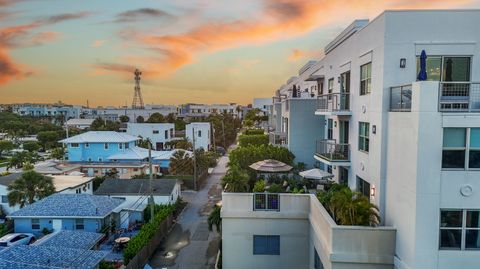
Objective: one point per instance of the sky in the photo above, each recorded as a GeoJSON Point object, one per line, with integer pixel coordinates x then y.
{"type": "Point", "coordinates": [203, 51]}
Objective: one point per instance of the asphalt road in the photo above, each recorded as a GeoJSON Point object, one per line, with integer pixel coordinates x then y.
{"type": "Point", "coordinates": [190, 244]}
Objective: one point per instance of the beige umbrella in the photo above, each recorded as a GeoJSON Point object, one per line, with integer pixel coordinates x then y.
{"type": "Point", "coordinates": [271, 166]}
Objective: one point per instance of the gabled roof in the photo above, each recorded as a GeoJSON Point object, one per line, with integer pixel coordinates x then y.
{"type": "Point", "coordinates": [69, 205]}
{"type": "Point", "coordinates": [39, 257]}
{"type": "Point", "coordinates": [135, 187]}
{"type": "Point", "coordinates": [101, 137]}
{"type": "Point", "coordinates": [70, 239]}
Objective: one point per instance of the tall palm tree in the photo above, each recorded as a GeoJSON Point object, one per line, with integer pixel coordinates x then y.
{"type": "Point", "coordinates": [30, 187]}
{"type": "Point", "coordinates": [181, 163]}
{"type": "Point", "coordinates": [353, 208]}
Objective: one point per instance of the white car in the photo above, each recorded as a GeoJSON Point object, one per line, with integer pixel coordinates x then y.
{"type": "Point", "coordinates": [16, 239]}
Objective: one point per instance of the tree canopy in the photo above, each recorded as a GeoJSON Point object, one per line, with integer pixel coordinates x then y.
{"type": "Point", "coordinates": [6, 146]}
{"type": "Point", "coordinates": [30, 187]}
{"type": "Point", "coordinates": [156, 118]}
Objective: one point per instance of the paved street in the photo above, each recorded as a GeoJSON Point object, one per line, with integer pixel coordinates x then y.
{"type": "Point", "coordinates": [190, 244]}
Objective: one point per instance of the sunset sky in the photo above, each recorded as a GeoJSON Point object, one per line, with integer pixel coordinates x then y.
{"type": "Point", "coordinates": [189, 50]}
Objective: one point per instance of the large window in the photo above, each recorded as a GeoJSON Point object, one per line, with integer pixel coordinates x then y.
{"type": "Point", "coordinates": [330, 86]}
{"type": "Point", "coordinates": [446, 68]}
{"type": "Point", "coordinates": [366, 79]}
{"type": "Point", "coordinates": [4, 199]}
{"type": "Point", "coordinates": [266, 245]}
{"type": "Point", "coordinates": [364, 136]}
{"type": "Point", "coordinates": [363, 186]}
{"type": "Point", "coordinates": [74, 145]}
{"type": "Point", "coordinates": [461, 148]}
{"type": "Point", "coordinates": [460, 229]}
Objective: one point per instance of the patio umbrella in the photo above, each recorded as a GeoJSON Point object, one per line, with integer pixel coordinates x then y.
{"type": "Point", "coordinates": [315, 174]}
{"type": "Point", "coordinates": [422, 75]}
{"type": "Point", "coordinates": [271, 166]}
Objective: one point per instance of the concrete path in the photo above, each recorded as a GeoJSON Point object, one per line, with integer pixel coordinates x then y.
{"type": "Point", "coordinates": [190, 244]}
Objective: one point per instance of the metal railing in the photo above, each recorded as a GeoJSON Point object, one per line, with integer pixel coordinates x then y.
{"type": "Point", "coordinates": [332, 102]}
{"type": "Point", "coordinates": [401, 98]}
{"type": "Point", "coordinates": [459, 97]}
{"type": "Point", "coordinates": [331, 151]}
{"type": "Point", "coordinates": [266, 202]}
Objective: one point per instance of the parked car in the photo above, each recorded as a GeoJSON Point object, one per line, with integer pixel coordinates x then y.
{"type": "Point", "coordinates": [16, 239]}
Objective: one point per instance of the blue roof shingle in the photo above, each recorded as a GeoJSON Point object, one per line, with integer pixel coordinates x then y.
{"type": "Point", "coordinates": [70, 239]}
{"type": "Point", "coordinates": [70, 205]}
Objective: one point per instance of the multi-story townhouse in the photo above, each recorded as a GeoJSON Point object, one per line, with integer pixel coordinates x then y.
{"type": "Point", "coordinates": [191, 110]}
{"type": "Point", "coordinates": [200, 131]}
{"type": "Point", "coordinates": [297, 100]}
{"type": "Point", "coordinates": [410, 146]}
{"type": "Point", "coordinates": [48, 110]}
{"type": "Point", "coordinates": [158, 133]}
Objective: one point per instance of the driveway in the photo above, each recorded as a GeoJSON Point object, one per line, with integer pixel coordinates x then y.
{"type": "Point", "coordinates": [190, 244]}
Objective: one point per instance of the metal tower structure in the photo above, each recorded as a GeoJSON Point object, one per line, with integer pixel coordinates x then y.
{"type": "Point", "coordinates": [137, 102]}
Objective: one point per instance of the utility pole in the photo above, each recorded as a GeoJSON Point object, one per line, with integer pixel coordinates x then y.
{"type": "Point", "coordinates": [213, 135]}
{"type": "Point", "coordinates": [194, 161]}
{"type": "Point", "coordinates": [152, 204]}
{"type": "Point", "coordinates": [223, 132]}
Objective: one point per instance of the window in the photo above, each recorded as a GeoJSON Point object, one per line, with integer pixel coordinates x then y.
{"type": "Point", "coordinates": [127, 145]}
{"type": "Point", "coordinates": [166, 134]}
{"type": "Point", "coordinates": [364, 136]}
{"type": "Point", "coordinates": [199, 133]}
{"type": "Point", "coordinates": [363, 186]}
{"type": "Point", "coordinates": [120, 145]}
{"type": "Point", "coordinates": [155, 131]}
{"type": "Point", "coordinates": [454, 148]}
{"type": "Point", "coordinates": [460, 229]}
{"type": "Point", "coordinates": [365, 79]}
{"type": "Point", "coordinates": [79, 224]}
{"type": "Point", "coordinates": [74, 145]}
{"type": "Point", "coordinates": [330, 87]}
{"type": "Point", "coordinates": [105, 145]}
{"type": "Point", "coordinates": [100, 159]}
{"type": "Point", "coordinates": [461, 148]}
{"type": "Point", "coordinates": [87, 145]}
{"type": "Point", "coordinates": [446, 68]}
{"type": "Point", "coordinates": [266, 202]}
{"type": "Point", "coordinates": [4, 199]}
{"type": "Point", "coordinates": [330, 129]}
{"type": "Point", "coordinates": [89, 159]}
{"type": "Point", "coordinates": [35, 224]}
{"type": "Point", "coordinates": [317, 263]}
{"type": "Point", "coordinates": [266, 245]}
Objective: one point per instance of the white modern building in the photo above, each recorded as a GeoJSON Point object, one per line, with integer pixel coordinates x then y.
{"type": "Point", "coordinates": [201, 132]}
{"type": "Point", "coordinates": [262, 104]}
{"type": "Point", "coordinates": [158, 133]}
{"type": "Point", "coordinates": [191, 110]}
{"type": "Point", "coordinates": [411, 146]}
{"type": "Point", "coordinates": [114, 113]}
{"type": "Point", "coordinates": [79, 123]}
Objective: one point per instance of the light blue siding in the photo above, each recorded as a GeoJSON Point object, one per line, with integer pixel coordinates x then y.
{"type": "Point", "coordinates": [95, 151]}
{"type": "Point", "coordinates": [25, 225]}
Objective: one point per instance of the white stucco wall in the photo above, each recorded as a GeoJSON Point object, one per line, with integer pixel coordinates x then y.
{"type": "Point", "coordinates": [202, 134]}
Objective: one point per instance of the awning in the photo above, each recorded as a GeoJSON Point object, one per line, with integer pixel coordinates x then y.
{"type": "Point", "coordinates": [271, 166]}
{"type": "Point", "coordinates": [316, 174]}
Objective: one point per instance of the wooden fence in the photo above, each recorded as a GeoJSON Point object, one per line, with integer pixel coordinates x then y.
{"type": "Point", "coordinates": [142, 257]}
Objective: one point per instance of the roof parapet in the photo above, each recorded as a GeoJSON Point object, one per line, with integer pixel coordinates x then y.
{"type": "Point", "coordinates": [345, 34]}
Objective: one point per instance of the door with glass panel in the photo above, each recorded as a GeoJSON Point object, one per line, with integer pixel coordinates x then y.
{"type": "Point", "coordinates": [345, 91]}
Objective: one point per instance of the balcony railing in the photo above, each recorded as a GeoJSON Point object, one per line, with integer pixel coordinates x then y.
{"type": "Point", "coordinates": [331, 151]}
{"type": "Point", "coordinates": [401, 98]}
{"type": "Point", "coordinates": [459, 97]}
{"type": "Point", "coordinates": [333, 102]}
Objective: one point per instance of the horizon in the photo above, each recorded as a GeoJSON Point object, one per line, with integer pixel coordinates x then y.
{"type": "Point", "coordinates": [189, 51]}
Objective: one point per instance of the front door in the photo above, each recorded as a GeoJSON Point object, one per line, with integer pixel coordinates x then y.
{"type": "Point", "coordinates": [343, 139]}
{"type": "Point", "coordinates": [345, 91]}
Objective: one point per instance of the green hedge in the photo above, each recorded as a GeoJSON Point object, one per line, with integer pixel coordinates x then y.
{"type": "Point", "coordinates": [147, 232]}
{"type": "Point", "coordinates": [254, 132]}
{"type": "Point", "coordinates": [253, 140]}
{"type": "Point", "coordinates": [245, 156]}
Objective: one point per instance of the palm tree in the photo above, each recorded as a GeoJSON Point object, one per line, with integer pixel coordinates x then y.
{"type": "Point", "coordinates": [236, 180]}
{"type": "Point", "coordinates": [30, 187]}
{"type": "Point", "coordinates": [214, 219]}
{"type": "Point", "coordinates": [181, 163]}
{"type": "Point", "coordinates": [353, 208]}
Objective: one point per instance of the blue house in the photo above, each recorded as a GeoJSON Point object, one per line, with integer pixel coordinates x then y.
{"type": "Point", "coordinates": [58, 212]}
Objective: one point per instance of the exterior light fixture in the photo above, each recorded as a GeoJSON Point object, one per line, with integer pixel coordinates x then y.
{"type": "Point", "coordinates": [403, 63]}
{"type": "Point", "coordinates": [372, 191]}
{"type": "Point", "coordinates": [374, 129]}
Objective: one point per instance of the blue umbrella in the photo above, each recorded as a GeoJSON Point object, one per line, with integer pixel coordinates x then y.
{"type": "Point", "coordinates": [422, 75]}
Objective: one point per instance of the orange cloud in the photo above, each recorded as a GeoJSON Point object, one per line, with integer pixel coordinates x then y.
{"type": "Point", "coordinates": [20, 36]}
{"type": "Point", "coordinates": [279, 19]}
{"type": "Point", "coordinates": [98, 43]}
{"type": "Point", "coordinates": [298, 54]}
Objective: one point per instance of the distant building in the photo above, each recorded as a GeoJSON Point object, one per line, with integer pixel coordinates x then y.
{"type": "Point", "coordinates": [191, 110]}
{"type": "Point", "coordinates": [158, 133]}
{"type": "Point", "coordinates": [202, 134]}
{"type": "Point", "coordinates": [49, 110]}
{"type": "Point", "coordinates": [113, 114]}
{"type": "Point", "coordinates": [262, 104]}
{"type": "Point", "coordinates": [79, 123]}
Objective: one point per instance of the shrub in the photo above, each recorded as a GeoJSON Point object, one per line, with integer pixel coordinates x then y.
{"type": "Point", "coordinates": [245, 156]}
{"type": "Point", "coordinates": [253, 140]}
{"type": "Point", "coordinates": [254, 132]}
{"type": "Point", "coordinates": [275, 188]}
{"type": "Point", "coordinates": [259, 186]}
{"type": "Point", "coordinates": [147, 232]}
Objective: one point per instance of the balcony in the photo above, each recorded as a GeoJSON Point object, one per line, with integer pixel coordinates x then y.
{"type": "Point", "coordinates": [332, 153]}
{"type": "Point", "coordinates": [401, 98]}
{"type": "Point", "coordinates": [334, 104]}
{"type": "Point", "coordinates": [459, 97]}
{"type": "Point", "coordinates": [278, 139]}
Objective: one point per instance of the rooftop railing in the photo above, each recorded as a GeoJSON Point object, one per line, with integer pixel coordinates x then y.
{"type": "Point", "coordinates": [401, 98]}
{"type": "Point", "coordinates": [459, 97]}
{"type": "Point", "coordinates": [333, 102]}
{"type": "Point", "coordinates": [331, 151]}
